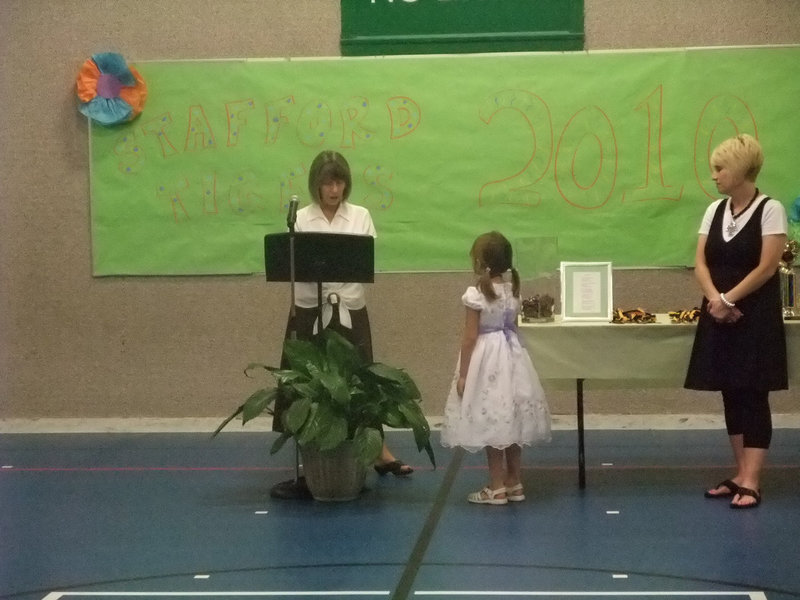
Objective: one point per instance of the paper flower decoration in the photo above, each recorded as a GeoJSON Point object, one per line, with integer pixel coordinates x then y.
{"type": "Point", "coordinates": [110, 91]}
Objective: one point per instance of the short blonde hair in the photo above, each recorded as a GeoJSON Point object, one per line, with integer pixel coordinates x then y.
{"type": "Point", "coordinates": [742, 154]}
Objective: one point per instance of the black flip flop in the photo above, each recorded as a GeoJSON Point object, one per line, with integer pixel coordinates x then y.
{"type": "Point", "coordinates": [743, 491]}
{"type": "Point", "coordinates": [394, 467]}
{"type": "Point", "coordinates": [734, 489]}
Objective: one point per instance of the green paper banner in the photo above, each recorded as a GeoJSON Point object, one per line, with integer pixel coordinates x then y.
{"type": "Point", "coordinates": [604, 153]}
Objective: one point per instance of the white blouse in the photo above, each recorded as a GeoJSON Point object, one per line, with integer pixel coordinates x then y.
{"type": "Point", "coordinates": [349, 218]}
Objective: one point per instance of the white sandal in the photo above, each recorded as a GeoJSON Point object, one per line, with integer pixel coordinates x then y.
{"type": "Point", "coordinates": [515, 493]}
{"type": "Point", "coordinates": [488, 496]}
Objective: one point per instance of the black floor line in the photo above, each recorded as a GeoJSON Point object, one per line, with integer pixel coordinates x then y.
{"type": "Point", "coordinates": [421, 546]}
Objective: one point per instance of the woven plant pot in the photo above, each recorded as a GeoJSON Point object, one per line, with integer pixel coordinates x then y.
{"type": "Point", "coordinates": [333, 475]}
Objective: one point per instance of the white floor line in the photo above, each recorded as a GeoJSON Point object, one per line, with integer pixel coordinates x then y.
{"type": "Point", "coordinates": [753, 595]}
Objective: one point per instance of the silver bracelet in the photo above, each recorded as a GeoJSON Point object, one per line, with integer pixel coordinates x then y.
{"type": "Point", "coordinates": [726, 302]}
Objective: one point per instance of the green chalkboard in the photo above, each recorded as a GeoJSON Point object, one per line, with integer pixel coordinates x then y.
{"type": "Point", "coordinates": [604, 154]}
{"type": "Point", "coordinates": [377, 27]}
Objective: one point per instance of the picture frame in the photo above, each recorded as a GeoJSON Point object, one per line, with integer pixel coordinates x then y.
{"type": "Point", "coordinates": [586, 291]}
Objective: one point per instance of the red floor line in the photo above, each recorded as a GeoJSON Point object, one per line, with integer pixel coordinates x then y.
{"type": "Point", "coordinates": [281, 469]}
{"type": "Point", "coordinates": [170, 469]}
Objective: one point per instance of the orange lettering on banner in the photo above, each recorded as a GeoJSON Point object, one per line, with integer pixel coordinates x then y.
{"type": "Point", "coordinates": [276, 117]}
{"type": "Point", "coordinates": [353, 114]}
{"type": "Point", "coordinates": [236, 113]}
{"type": "Point", "coordinates": [587, 154]}
{"type": "Point", "coordinates": [722, 117]}
{"type": "Point", "coordinates": [584, 159]}
{"type": "Point", "coordinates": [209, 190]}
{"type": "Point", "coordinates": [379, 196]}
{"type": "Point", "coordinates": [293, 182]}
{"type": "Point", "coordinates": [522, 187]}
{"type": "Point", "coordinates": [172, 195]}
{"type": "Point", "coordinates": [652, 188]}
{"type": "Point", "coordinates": [404, 116]}
{"type": "Point", "coordinates": [587, 137]}
{"type": "Point", "coordinates": [157, 127]}
{"type": "Point", "coordinates": [243, 195]}
{"type": "Point", "coordinates": [131, 154]}
{"type": "Point", "coordinates": [199, 135]}
{"type": "Point", "coordinates": [315, 124]}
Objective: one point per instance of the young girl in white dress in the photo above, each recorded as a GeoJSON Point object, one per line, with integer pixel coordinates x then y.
{"type": "Point", "coordinates": [496, 401]}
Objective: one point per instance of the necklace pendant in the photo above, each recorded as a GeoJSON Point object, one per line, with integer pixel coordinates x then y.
{"type": "Point", "coordinates": [731, 227]}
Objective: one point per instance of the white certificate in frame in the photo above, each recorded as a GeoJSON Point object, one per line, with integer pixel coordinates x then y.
{"type": "Point", "coordinates": [586, 293]}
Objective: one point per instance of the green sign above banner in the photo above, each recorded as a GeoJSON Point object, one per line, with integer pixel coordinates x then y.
{"type": "Point", "coordinates": [605, 153]}
{"type": "Point", "coordinates": [375, 27]}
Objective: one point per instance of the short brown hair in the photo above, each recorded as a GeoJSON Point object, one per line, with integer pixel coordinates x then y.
{"type": "Point", "coordinates": [328, 165]}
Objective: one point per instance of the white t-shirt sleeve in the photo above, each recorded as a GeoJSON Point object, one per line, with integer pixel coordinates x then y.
{"type": "Point", "coordinates": [705, 225]}
{"type": "Point", "coordinates": [773, 219]}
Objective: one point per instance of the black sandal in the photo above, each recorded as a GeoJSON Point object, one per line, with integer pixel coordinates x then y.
{"type": "Point", "coordinates": [743, 491]}
{"type": "Point", "coordinates": [734, 489]}
{"type": "Point", "coordinates": [396, 467]}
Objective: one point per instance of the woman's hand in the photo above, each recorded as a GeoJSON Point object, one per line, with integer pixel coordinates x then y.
{"type": "Point", "coordinates": [734, 314]}
{"type": "Point", "coordinates": [723, 313]}
{"type": "Point", "coordinates": [460, 386]}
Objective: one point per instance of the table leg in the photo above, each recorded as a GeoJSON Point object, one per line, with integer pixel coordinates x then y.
{"type": "Point", "coordinates": [581, 447]}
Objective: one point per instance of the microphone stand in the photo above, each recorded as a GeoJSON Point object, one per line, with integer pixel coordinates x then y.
{"type": "Point", "coordinates": [296, 488]}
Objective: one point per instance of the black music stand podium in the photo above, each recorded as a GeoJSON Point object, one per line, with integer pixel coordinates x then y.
{"type": "Point", "coordinates": [315, 257]}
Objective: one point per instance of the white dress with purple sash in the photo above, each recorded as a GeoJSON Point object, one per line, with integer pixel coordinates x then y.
{"type": "Point", "coordinates": [503, 401]}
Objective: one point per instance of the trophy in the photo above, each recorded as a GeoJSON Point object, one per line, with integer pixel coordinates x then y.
{"type": "Point", "coordinates": [788, 286]}
{"type": "Point", "coordinates": [538, 309]}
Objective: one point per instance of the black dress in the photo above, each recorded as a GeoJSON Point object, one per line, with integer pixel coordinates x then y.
{"type": "Point", "coordinates": [750, 353]}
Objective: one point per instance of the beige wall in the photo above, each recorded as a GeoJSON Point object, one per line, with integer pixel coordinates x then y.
{"type": "Point", "coordinates": [75, 346]}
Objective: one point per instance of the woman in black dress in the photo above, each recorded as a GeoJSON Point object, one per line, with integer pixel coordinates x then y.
{"type": "Point", "coordinates": [740, 348]}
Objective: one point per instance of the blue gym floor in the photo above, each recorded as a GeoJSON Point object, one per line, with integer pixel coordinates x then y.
{"type": "Point", "coordinates": [183, 516]}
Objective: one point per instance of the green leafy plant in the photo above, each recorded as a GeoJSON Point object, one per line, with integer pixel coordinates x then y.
{"type": "Point", "coordinates": [334, 395]}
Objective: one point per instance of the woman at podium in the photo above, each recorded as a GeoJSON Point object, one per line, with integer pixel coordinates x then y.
{"type": "Point", "coordinates": [343, 304]}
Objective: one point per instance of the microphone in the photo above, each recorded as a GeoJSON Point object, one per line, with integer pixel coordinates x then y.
{"type": "Point", "coordinates": [292, 216]}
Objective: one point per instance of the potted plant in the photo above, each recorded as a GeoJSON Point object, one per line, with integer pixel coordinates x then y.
{"type": "Point", "coordinates": [338, 407]}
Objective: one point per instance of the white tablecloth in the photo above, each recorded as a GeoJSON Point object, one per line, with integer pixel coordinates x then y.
{"type": "Point", "coordinates": [623, 354]}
